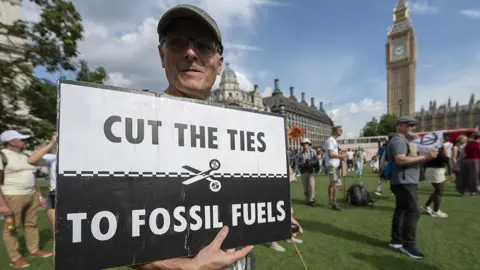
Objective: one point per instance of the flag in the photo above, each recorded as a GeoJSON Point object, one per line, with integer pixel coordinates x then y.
{"type": "Point", "coordinates": [428, 142]}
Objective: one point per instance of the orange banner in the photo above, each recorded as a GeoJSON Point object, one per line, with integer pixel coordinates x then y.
{"type": "Point", "coordinates": [295, 133]}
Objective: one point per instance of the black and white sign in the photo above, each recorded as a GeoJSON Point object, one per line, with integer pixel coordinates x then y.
{"type": "Point", "coordinates": [144, 177]}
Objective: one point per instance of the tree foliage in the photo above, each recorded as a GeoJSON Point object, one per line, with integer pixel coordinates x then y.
{"type": "Point", "coordinates": [97, 76]}
{"type": "Point", "coordinates": [383, 127]}
{"type": "Point", "coordinates": [371, 128]}
{"type": "Point", "coordinates": [51, 43]}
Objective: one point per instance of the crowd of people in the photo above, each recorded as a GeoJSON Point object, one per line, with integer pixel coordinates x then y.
{"type": "Point", "coordinates": [191, 52]}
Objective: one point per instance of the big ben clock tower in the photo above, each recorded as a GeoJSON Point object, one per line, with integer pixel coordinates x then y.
{"type": "Point", "coordinates": [401, 51]}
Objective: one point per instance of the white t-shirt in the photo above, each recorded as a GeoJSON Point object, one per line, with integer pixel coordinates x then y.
{"type": "Point", "coordinates": [331, 144]}
{"type": "Point", "coordinates": [51, 161]}
{"type": "Point", "coordinates": [350, 155]}
{"type": "Point", "coordinates": [448, 146]}
{"type": "Point", "coordinates": [19, 175]}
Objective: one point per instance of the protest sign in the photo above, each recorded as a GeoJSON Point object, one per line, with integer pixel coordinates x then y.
{"type": "Point", "coordinates": [144, 177]}
{"type": "Point", "coordinates": [428, 142]}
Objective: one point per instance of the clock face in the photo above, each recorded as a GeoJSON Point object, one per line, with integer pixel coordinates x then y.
{"type": "Point", "coordinates": [399, 50]}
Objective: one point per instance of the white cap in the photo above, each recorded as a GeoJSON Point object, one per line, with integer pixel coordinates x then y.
{"type": "Point", "coordinates": [10, 135]}
{"type": "Point", "coordinates": [306, 140]}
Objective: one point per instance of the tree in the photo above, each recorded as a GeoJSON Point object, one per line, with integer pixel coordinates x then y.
{"type": "Point", "coordinates": [84, 74]}
{"type": "Point", "coordinates": [51, 43]}
{"type": "Point", "coordinates": [385, 126]}
{"type": "Point", "coordinates": [41, 97]}
{"type": "Point", "coordinates": [371, 128]}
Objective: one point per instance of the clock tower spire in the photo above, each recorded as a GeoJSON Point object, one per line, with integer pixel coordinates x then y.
{"type": "Point", "coordinates": [401, 59]}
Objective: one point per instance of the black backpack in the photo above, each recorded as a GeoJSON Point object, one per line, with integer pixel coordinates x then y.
{"type": "Point", "coordinates": [358, 195]}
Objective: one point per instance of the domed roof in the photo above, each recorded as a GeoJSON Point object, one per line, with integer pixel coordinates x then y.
{"type": "Point", "coordinates": [228, 75]}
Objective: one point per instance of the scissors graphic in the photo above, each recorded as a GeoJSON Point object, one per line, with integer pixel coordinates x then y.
{"type": "Point", "coordinates": [215, 185]}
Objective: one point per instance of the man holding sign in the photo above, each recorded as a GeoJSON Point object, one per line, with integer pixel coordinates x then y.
{"type": "Point", "coordinates": [404, 177]}
{"type": "Point", "coordinates": [191, 53]}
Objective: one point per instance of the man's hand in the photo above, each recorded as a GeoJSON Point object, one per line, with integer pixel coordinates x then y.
{"type": "Point", "coordinates": [54, 138]}
{"type": "Point", "coordinates": [5, 210]}
{"type": "Point", "coordinates": [43, 201]}
{"type": "Point", "coordinates": [212, 257]}
{"type": "Point", "coordinates": [431, 154]}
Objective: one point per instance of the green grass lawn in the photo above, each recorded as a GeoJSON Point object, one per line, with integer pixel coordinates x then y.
{"type": "Point", "coordinates": [357, 237]}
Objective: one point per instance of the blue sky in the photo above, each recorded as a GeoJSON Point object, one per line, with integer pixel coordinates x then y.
{"type": "Point", "coordinates": [331, 50]}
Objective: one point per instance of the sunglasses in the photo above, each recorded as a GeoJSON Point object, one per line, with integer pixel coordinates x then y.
{"type": "Point", "coordinates": [179, 43]}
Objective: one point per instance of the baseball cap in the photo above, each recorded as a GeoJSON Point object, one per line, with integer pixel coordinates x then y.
{"type": "Point", "coordinates": [10, 135]}
{"type": "Point", "coordinates": [188, 11]}
{"type": "Point", "coordinates": [306, 140]}
{"type": "Point", "coordinates": [407, 119]}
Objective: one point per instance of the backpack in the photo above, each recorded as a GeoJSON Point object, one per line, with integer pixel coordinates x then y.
{"type": "Point", "coordinates": [358, 195]}
{"type": "Point", "coordinates": [386, 165]}
{"type": "Point", "coordinates": [385, 168]}
{"type": "Point", "coordinates": [3, 157]}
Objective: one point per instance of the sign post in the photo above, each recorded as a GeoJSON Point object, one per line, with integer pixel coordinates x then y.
{"type": "Point", "coordinates": [145, 177]}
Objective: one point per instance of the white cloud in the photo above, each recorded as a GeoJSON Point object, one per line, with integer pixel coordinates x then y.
{"type": "Point", "coordinates": [267, 92]}
{"type": "Point", "coordinates": [457, 84]}
{"type": "Point", "coordinates": [353, 116]}
{"type": "Point", "coordinates": [124, 40]}
{"type": "Point", "coordinates": [242, 47]}
{"type": "Point", "coordinates": [115, 78]}
{"type": "Point", "coordinates": [243, 82]}
{"type": "Point", "coordinates": [422, 7]}
{"type": "Point", "coordinates": [471, 13]}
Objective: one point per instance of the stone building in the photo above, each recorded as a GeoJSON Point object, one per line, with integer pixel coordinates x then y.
{"type": "Point", "coordinates": [313, 120]}
{"type": "Point", "coordinates": [401, 59]}
{"type": "Point", "coordinates": [11, 48]}
{"type": "Point", "coordinates": [230, 93]}
{"type": "Point", "coordinates": [448, 116]}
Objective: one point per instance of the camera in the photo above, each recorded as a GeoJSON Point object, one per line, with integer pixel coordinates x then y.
{"type": "Point", "coordinates": [295, 228]}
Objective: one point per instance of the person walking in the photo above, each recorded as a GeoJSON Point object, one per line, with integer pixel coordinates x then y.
{"type": "Point", "coordinates": [435, 173]}
{"type": "Point", "coordinates": [404, 179]}
{"type": "Point", "coordinates": [360, 159]}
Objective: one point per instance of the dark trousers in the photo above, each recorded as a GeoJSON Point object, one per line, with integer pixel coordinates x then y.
{"type": "Point", "coordinates": [406, 214]}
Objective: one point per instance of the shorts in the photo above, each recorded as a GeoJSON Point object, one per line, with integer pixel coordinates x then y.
{"type": "Point", "coordinates": [334, 174]}
{"type": "Point", "coordinates": [51, 200]}
{"type": "Point", "coordinates": [350, 162]}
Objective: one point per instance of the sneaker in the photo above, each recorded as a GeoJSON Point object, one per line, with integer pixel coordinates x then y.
{"type": "Point", "coordinates": [277, 248]}
{"type": "Point", "coordinates": [412, 252]}
{"type": "Point", "coordinates": [311, 203]}
{"type": "Point", "coordinates": [20, 263]}
{"type": "Point", "coordinates": [426, 209]}
{"type": "Point", "coordinates": [378, 193]}
{"type": "Point", "coordinates": [337, 207]}
{"type": "Point", "coordinates": [395, 245]}
{"type": "Point", "coordinates": [298, 241]}
{"type": "Point", "coordinates": [41, 254]}
{"type": "Point", "coordinates": [439, 214]}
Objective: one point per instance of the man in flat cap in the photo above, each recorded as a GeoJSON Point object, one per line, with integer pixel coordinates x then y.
{"type": "Point", "coordinates": [404, 177]}
{"type": "Point", "coordinates": [191, 53]}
